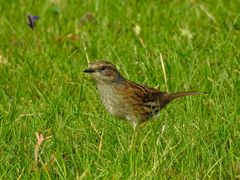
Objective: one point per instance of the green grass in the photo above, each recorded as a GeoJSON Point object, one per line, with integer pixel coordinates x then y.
{"type": "Point", "coordinates": [43, 89]}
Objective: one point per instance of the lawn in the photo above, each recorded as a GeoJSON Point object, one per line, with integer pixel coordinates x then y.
{"type": "Point", "coordinates": [171, 45]}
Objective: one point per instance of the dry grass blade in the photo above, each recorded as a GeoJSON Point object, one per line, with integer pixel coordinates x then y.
{"type": "Point", "coordinates": [164, 71]}
{"type": "Point", "coordinates": [40, 139]}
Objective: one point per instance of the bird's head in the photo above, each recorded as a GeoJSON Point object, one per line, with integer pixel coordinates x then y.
{"type": "Point", "coordinates": [104, 72]}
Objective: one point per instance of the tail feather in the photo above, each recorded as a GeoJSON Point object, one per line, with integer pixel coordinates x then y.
{"type": "Point", "coordinates": [167, 98]}
{"type": "Point", "coordinates": [181, 94]}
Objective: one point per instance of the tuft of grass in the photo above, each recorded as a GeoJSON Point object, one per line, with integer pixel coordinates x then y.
{"type": "Point", "coordinates": [173, 45]}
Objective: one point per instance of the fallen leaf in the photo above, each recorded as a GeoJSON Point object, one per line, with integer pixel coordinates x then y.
{"type": "Point", "coordinates": [137, 30]}
{"type": "Point", "coordinates": [3, 60]}
{"type": "Point", "coordinates": [186, 33]}
{"type": "Point", "coordinates": [87, 17]}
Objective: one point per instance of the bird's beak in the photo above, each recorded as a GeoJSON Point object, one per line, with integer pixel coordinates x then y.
{"type": "Point", "coordinates": [90, 70]}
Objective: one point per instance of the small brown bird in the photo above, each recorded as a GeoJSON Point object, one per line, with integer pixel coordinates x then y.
{"type": "Point", "coordinates": [126, 99]}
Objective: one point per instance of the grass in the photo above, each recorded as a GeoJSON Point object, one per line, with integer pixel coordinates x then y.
{"type": "Point", "coordinates": [43, 89]}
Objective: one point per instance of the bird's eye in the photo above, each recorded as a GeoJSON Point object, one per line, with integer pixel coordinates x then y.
{"type": "Point", "coordinates": [103, 68]}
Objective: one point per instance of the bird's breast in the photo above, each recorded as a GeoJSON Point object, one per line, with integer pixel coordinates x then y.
{"type": "Point", "coordinates": [113, 101]}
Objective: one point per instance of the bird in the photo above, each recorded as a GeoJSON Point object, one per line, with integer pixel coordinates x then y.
{"type": "Point", "coordinates": [126, 99]}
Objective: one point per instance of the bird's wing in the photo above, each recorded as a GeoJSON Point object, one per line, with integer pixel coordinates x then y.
{"type": "Point", "coordinates": [161, 99]}
{"type": "Point", "coordinates": [151, 96]}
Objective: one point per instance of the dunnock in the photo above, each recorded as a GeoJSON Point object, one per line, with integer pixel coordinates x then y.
{"type": "Point", "coordinates": [126, 99]}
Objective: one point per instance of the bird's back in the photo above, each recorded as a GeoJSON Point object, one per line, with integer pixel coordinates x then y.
{"type": "Point", "coordinates": [140, 102]}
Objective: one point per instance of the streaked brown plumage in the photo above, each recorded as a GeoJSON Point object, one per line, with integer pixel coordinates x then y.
{"type": "Point", "coordinates": [126, 99]}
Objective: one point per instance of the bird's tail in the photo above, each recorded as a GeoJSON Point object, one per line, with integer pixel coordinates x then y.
{"type": "Point", "coordinates": [181, 94]}
{"type": "Point", "coordinates": [167, 98]}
